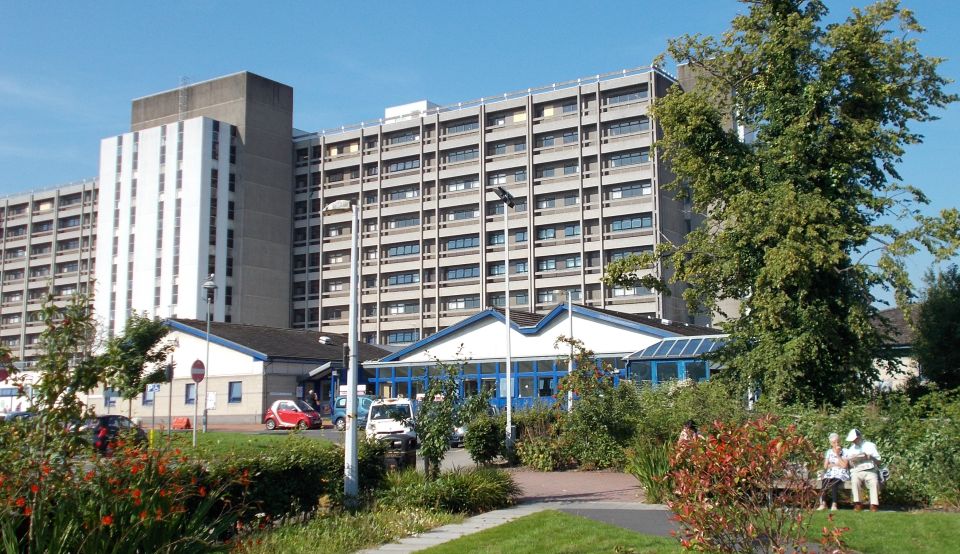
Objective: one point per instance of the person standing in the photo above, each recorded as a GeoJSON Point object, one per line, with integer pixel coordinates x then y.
{"type": "Point", "coordinates": [836, 472]}
{"type": "Point", "coordinates": [863, 457]}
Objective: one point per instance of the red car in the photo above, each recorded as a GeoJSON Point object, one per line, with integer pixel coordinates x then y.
{"type": "Point", "coordinates": [289, 414]}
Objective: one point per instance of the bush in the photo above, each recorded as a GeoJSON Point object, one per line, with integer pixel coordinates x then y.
{"type": "Point", "coordinates": [650, 464]}
{"type": "Point", "coordinates": [293, 479]}
{"type": "Point", "coordinates": [137, 500]}
{"type": "Point", "coordinates": [470, 491]}
{"type": "Point", "coordinates": [541, 454]}
{"type": "Point", "coordinates": [744, 487]}
{"type": "Point", "coordinates": [484, 439]}
{"type": "Point", "coordinates": [664, 409]}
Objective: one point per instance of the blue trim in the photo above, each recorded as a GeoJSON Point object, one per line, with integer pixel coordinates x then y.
{"type": "Point", "coordinates": [534, 330]}
{"type": "Point", "coordinates": [256, 355]}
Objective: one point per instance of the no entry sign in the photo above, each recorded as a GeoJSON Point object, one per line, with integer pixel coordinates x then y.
{"type": "Point", "coordinates": [197, 371]}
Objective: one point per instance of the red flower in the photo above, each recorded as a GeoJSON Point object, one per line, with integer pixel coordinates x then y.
{"type": "Point", "coordinates": [27, 511]}
{"type": "Point", "coordinates": [21, 501]}
{"type": "Point", "coordinates": [88, 476]}
{"type": "Point", "coordinates": [203, 491]}
{"type": "Point", "coordinates": [107, 520]}
{"type": "Point", "coordinates": [34, 489]}
{"type": "Point", "coordinates": [143, 515]}
{"type": "Point", "coordinates": [136, 493]}
{"type": "Point", "coordinates": [45, 469]}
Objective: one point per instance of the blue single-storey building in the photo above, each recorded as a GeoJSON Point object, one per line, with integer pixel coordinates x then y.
{"type": "Point", "coordinates": [637, 347]}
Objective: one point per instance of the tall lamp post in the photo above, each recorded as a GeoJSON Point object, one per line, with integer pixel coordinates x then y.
{"type": "Point", "coordinates": [350, 470]}
{"type": "Point", "coordinates": [210, 290]}
{"type": "Point", "coordinates": [507, 200]}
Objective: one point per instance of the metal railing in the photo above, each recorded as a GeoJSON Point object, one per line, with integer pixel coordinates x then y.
{"type": "Point", "coordinates": [486, 100]}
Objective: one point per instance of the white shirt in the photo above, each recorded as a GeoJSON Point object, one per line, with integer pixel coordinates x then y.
{"type": "Point", "coordinates": [865, 447]}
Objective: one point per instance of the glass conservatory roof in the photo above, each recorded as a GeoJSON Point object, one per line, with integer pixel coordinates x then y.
{"type": "Point", "coordinates": [679, 347]}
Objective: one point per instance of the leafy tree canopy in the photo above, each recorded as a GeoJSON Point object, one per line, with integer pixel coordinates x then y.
{"type": "Point", "coordinates": [937, 326]}
{"type": "Point", "coordinates": [808, 218]}
{"type": "Point", "coordinates": [135, 358]}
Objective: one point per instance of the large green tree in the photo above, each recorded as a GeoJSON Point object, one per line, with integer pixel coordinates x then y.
{"type": "Point", "coordinates": [809, 217]}
{"type": "Point", "coordinates": [937, 324]}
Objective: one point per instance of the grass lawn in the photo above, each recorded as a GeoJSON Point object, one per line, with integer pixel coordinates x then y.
{"type": "Point", "coordinates": [552, 531]}
{"type": "Point", "coordinates": [220, 444]}
{"type": "Point", "coordinates": [341, 533]}
{"type": "Point", "coordinates": [896, 532]}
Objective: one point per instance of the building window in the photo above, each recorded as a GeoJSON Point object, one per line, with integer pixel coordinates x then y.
{"type": "Point", "coordinates": [546, 233]}
{"type": "Point", "coordinates": [497, 179]}
{"type": "Point", "coordinates": [463, 303]}
{"type": "Point", "coordinates": [461, 214]}
{"type": "Point", "coordinates": [495, 238]}
{"type": "Point", "coordinates": [545, 296]}
{"type": "Point", "coordinates": [630, 190]}
{"type": "Point", "coordinates": [404, 221]}
{"type": "Point", "coordinates": [464, 272]}
{"type": "Point", "coordinates": [629, 158]}
{"type": "Point", "coordinates": [403, 250]}
{"type": "Point", "coordinates": [403, 308]}
{"type": "Point", "coordinates": [570, 136]}
{"type": "Point", "coordinates": [572, 261]}
{"type": "Point", "coordinates": [520, 236]}
{"type": "Point", "coordinates": [466, 183]}
{"type": "Point", "coordinates": [403, 279]}
{"type": "Point", "coordinates": [402, 336]}
{"type": "Point", "coordinates": [642, 221]}
{"type": "Point", "coordinates": [463, 242]}
{"type": "Point", "coordinates": [403, 165]}
{"type": "Point", "coordinates": [572, 230]}
{"type": "Point", "coordinates": [570, 168]}
{"type": "Point", "coordinates": [463, 155]}
{"type": "Point", "coordinates": [190, 393]}
{"type": "Point", "coordinates": [402, 193]}
{"type": "Point", "coordinates": [627, 127]}
{"type": "Point", "coordinates": [548, 264]}
{"type": "Point", "coordinates": [622, 96]}
{"type": "Point", "coordinates": [496, 269]}
{"type": "Point", "coordinates": [521, 266]}
{"type": "Point", "coordinates": [234, 392]}
{"type": "Point", "coordinates": [462, 127]}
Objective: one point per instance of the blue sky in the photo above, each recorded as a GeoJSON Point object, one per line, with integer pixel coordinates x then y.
{"type": "Point", "coordinates": [68, 70]}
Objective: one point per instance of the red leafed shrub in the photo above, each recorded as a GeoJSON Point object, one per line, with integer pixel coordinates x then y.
{"type": "Point", "coordinates": [745, 488]}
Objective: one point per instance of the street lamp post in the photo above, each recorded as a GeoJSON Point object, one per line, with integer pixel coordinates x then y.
{"type": "Point", "coordinates": [210, 289]}
{"type": "Point", "coordinates": [570, 364]}
{"type": "Point", "coordinates": [507, 200]}
{"type": "Point", "coordinates": [350, 470]}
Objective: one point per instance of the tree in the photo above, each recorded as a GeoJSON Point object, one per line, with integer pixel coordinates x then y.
{"type": "Point", "coordinates": [436, 416]}
{"type": "Point", "coordinates": [806, 220]}
{"type": "Point", "coordinates": [136, 357]}
{"type": "Point", "coordinates": [937, 326]}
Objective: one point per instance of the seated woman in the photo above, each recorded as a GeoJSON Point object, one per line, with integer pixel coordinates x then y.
{"type": "Point", "coordinates": [836, 473]}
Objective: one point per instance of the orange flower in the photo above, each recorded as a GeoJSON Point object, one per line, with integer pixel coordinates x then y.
{"type": "Point", "coordinates": [203, 491]}
{"type": "Point", "coordinates": [88, 476]}
{"type": "Point", "coordinates": [45, 469]}
{"type": "Point", "coordinates": [136, 493]}
{"type": "Point", "coordinates": [107, 520]}
{"type": "Point", "coordinates": [143, 515]}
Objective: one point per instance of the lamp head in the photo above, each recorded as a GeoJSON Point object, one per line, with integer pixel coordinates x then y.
{"type": "Point", "coordinates": [505, 196]}
{"type": "Point", "coordinates": [338, 207]}
{"type": "Point", "coordinates": [210, 287]}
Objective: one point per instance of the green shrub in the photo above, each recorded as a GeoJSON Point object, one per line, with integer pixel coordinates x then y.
{"type": "Point", "coordinates": [663, 409]}
{"type": "Point", "coordinates": [484, 439]}
{"type": "Point", "coordinates": [293, 479]}
{"type": "Point", "coordinates": [459, 491]}
{"type": "Point", "coordinates": [650, 464]}
{"type": "Point", "coordinates": [543, 454]}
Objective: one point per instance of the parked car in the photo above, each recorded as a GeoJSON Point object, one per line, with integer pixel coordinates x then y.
{"type": "Point", "coordinates": [460, 431]}
{"type": "Point", "coordinates": [287, 414]}
{"type": "Point", "coordinates": [18, 416]}
{"type": "Point", "coordinates": [116, 425]}
{"type": "Point", "coordinates": [339, 411]}
{"type": "Point", "coordinates": [390, 416]}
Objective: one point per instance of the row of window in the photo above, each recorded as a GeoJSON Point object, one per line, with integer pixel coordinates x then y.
{"type": "Point", "coordinates": [234, 394]}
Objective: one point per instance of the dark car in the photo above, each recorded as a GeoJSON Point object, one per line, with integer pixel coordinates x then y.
{"type": "Point", "coordinates": [19, 416]}
{"type": "Point", "coordinates": [116, 425]}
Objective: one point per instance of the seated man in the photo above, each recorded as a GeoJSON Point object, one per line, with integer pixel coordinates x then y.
{"type": "Point", "coordinates": [863, 457]}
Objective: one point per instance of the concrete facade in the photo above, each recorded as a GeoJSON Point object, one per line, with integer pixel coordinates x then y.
{"type": "Point", "coordinates": [202, 182]}
{"type": "Point", "coordinates": [576, 156]}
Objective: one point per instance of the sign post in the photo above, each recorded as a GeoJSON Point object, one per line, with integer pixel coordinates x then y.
{"type": "Point", "coordinates": [197, 372]}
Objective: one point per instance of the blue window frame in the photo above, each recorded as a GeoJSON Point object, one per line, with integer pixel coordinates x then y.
{"type": "Point", "coordinates": [403, 279]}
{"type": "Point", "coordinates": [463, 272]}
{"type": "Point", "coordinates": [403, 250]}
{"type": "Point", "coordinates": [463, 242]}
{"type": "Point", "coordinates": [642, 221]}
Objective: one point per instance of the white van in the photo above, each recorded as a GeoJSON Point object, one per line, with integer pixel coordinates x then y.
{"type": "Point", "coordinates": [390, 416]}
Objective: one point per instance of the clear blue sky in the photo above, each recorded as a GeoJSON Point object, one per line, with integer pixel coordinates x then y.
{"type": "Point", "coordinates": [68, 70]}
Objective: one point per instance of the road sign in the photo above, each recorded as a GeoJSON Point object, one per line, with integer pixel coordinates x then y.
{"type": "Point", "coordinates": [153, 387]}
{"type": "Point", "coordinates": [197, 371]}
